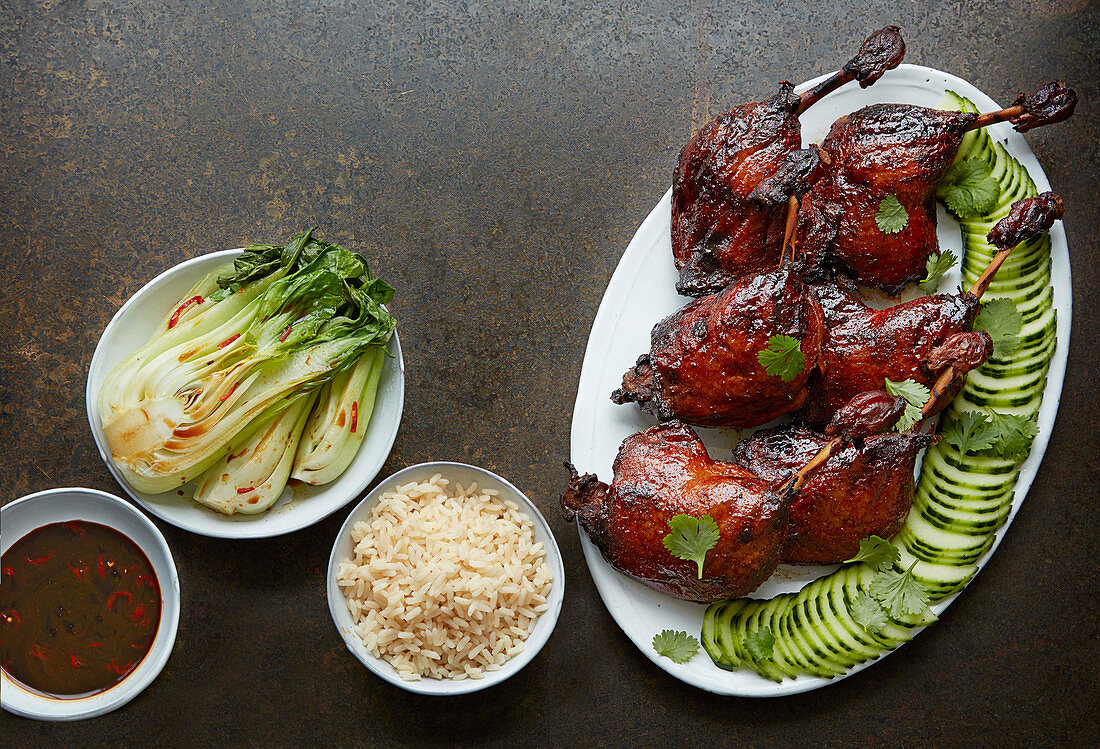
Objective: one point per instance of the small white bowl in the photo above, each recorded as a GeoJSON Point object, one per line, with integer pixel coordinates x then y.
{"type": "Point", "coordinates": [300, 505]}
{"type": "Point", "coordinates": [27, 513]}
{"type": "Point", "coordinates": [465, 475]}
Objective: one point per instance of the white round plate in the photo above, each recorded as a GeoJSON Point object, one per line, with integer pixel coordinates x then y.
{"type": "Point", "coordinates": [463, 474]}
{"type": "Point", "coordinates": [642, 292]}
{"type": "Point", "coordinates": [300, 505]}
{"type": "Point", "coordinates": [27, 513]}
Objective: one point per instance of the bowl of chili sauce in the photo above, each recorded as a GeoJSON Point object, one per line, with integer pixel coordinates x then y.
{"type": "Point", "coordinates": [89, 604]}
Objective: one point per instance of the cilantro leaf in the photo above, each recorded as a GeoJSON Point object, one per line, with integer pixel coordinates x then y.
{"type": "Point", "coordinates": [878, 553]}
{"type": "Point", "coordinates": [900, 593]}
{"type": "Point", "coordinates": [891, 216]}
{"type": "Point", "coordinates": [934, 269]}
{"type": "Point", "coordinates": [678, 647]}
{"type": "Point", "coordinates": [783, 357]}
{"type": "Point", "coordinates": [968, 188]}
{"type": "Point", "coordinates": [915, 395]}
{"type": "Point", "coordinates": [969, 431]}
{"type": "Point", "coordinates": [760, 643]}
{"type": "Point", "coordinates": [1000, 318]}
{"type": "Point", "coordinates": [1014, 434]}
{"type": "Point", "coordinates": [868, 613]}
{"type": "Point", "coordinates": [691, 538]}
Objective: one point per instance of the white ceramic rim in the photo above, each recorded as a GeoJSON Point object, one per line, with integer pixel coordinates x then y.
{"type": "Point", "coordinates": [544, 627]}
{"type": "Point", "coordinates": [309, 511]}
{"type": "Point", "coordinates": [623, 596]}
{"type": "Point", "coordinates": [18, 700]}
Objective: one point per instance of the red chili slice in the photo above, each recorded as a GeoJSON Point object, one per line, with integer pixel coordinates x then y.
{"type": "Point", "coordinates": [180, 310]}
{"type": "Point", "coordinates": [229, 340]}
{"type": "Point", "coordinates": [120, 670]}
{"type": "Point", "coordinates": [76, 528]}
{"type": "Point", "coordinates": [138, 611]}
{"type": "Point", "coordinates": [286, 333]}
{"type": "Point", "coordinates": [9, 571]}
{"type": "Point", "coordinates": [101, 565]}
{"type": "Point", "coordinates": [246, 490]}
{"type": "Point", "coordinates": [235, 384]}
{"type": "Point", "coordinates": [118, 594]}
{"type": "Point", "coordinates": [354, 415]}
{"type": "Point", "coordinates": [146, 580]}
{"type": "Point", "coordinates": [38, 652]}
{"type": "Point", "coordinates": [94, 644]}
{"type": "Point", "coordinates": [40, 560]}
{"type": "Point", "coordinates": [77, 663]}
{"type": "Point", "coordinates": [78, 572]}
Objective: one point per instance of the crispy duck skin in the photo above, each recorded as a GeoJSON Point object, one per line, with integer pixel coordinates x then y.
{"type": "Point", "coordinates": [924, 340]}
{"type": "Point", "coordinates": [901, 150]}
{"type": "Point", "coordinates": [721, 228]}
{"type": "Point", "coordinates": [865, 488]}
{"type": "Point", "coordinates": [702, 367]}
{"type": "Point", "coordinates": [865, 346]}
{"type": "Point", "coordinates": [718, 231]}
{"type": "Point", "coordinates": [665, 471]}
{"type": "Point", "coordinates": [881, 150]}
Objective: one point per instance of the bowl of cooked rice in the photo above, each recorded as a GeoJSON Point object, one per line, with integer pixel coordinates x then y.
{"type": "Point", "coordinates": [445, 579]}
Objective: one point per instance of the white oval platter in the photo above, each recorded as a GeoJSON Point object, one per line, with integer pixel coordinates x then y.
{"type": "Point", "coordinates": [642, 292]}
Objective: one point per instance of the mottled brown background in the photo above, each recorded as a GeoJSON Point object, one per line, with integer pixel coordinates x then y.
{"type": "Point", "coordinates": [494, 160]}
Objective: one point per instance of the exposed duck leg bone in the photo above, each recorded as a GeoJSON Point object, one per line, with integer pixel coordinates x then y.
{"type": "Point", "coordinates": [882, 51]}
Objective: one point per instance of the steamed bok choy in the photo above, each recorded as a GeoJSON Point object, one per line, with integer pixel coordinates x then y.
{"type": "Point", "coordinates": [250, 480]}
{"type": "Point", "coordinates": [235, 368]}
{"type": "Point", "coordinates": [337, 425]}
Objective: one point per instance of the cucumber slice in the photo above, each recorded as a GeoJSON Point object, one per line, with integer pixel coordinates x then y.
{"type": "Point", "coordinates": [781, 653]}
{"type": "Point", "coordinates": [708, 637]}
{"type": "Point", "coordinates": [723, 630]}
{"type": "Point", "coordinates": [755, 622]}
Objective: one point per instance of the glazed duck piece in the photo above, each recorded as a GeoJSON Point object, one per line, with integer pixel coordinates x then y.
{"type": "Point", "coordinates": [901, 150]}
{"type": "Point", "coordinates": [665, 471]}
{"type": "Point", "coordinates": [863, 488]}
{"type": "Point", "coordinates": [703, 366]}
{"type": "Point", "coordinates": [865, 346]}
{"type": "Point", "coordinates": [721, 228]}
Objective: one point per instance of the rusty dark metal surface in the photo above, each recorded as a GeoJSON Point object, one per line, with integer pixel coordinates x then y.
{"type": "Point", "coordinates": [494, 159]}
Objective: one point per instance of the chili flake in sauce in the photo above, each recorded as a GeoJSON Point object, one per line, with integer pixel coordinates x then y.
{"type": "Point", "coordinates": [79, 608]}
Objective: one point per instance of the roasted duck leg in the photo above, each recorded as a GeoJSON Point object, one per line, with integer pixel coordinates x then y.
{"type": "Point", "coordinates": [865, 346]}
{"type": "Point", "coordinates": [720, 229]}
{"type": "Point", "coordinates": [863, 486]}
{"type": "Point", "coordinates": [901, 150]}
{"type": "Point", "coordinates": [703, 366]}
{"type": "Point", "coordinates": [665, 471]}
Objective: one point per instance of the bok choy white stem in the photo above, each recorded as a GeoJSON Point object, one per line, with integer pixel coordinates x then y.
{"type": "Point", "coordinates": [252, 477]}
{"type": "Point", "coordinates": [338, 423]}
{"type": "Point", "coordinates": [279, 325]}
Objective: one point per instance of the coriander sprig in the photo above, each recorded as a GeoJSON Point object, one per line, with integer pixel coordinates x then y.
{"type": "Point", "coordinates": [1003, 321]}
{"type": "Point", "coordinates": [782, 357]}
{"type": "Point", "coordinates": [934, 268]}
{"type": "Point", "coordinates": [968, 188]}
{"type": "Point", "coordinates": [891, 216]}
{"type": "Point", "coordinates": [915, 395]}
{"type": "Point", "coordinates": [691, 538]}
{"type": "Point", "coordinates": [678, 647]}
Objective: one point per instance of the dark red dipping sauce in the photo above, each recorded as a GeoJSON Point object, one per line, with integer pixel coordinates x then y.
{"type": "Point", "coordinates": [79, 608]}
